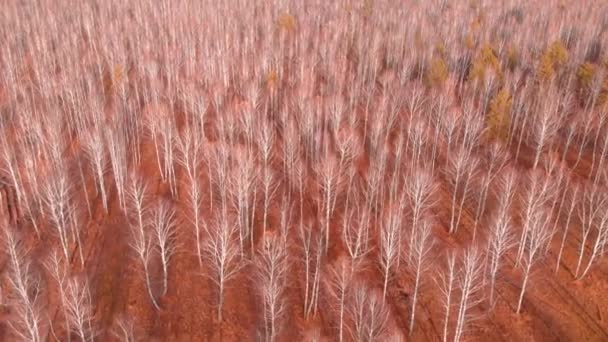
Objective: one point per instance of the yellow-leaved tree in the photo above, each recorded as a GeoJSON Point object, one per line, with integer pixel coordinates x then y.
{"type": "Point", "coordinates": [498, 117]}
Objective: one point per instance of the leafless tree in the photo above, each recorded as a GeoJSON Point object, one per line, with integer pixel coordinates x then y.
{"type": "Point", "coordinates": [137, 193]}
{"type": "Point", "coordinates": [538, 236]}
{"type": "Point", "coordinates": [79, 308]}
{"type": "Point", "coordinates": [222, 253]}
{"type": "Point", "coordinates": [266, 139]}
{"type": "Point", "coordinates": [495, 160]}
{"type": "Point", "coordinates": [312, 256]}
{"type": "Point", "coordinates": [10, 168]}
{"type": "Point", "coordinates": [420, 188]}
{"type": "Point", "coordinates": [242, 187]}
{"type": "Point", "coordinates": [194, 199]}
{"type": "Point", "coordinates": [355, 233]}
{"type": "Point", "coordinates": [162, 128]}
{"type": "Point", "coordinates": [593, 204]}
{"type": "Point", "coordinates": [189, 144]}
{"type": "Point", "coordinates": [163, 225]}
{"type": "Point", "coordinates": [56, 265]}
{"type": "Point", "coordinates": [446, 281]}
{"type": "Point", "coordinates": [27, 320]}
{"type": "Point", "coordinates": [540, 189]}
{"type": "Point", "coordinates": [500, 241]}
{"type": "Point", "coordinates": [94, 148]}
{"type": "Point", "coordinates": [599, 222]}
{"type": "Point", "coordinates": [57, 199]}
{"type": "Point", "coordinates": [270, 186]}
{"type": "Point", "coordinates": [419, 262]}
{"type": "Point", "coordinates": [389, 232]}
{"type": "Point", "coordinates": [117, 148]}
{"type": "Point", "coordinates": [470, 285]}
{"type": "Point", "coordinates": [368, 314]}
{"type": "Point", "coordinates": [461, 173]}
{"type": "Point", "coordinates": [124, 328]}
{"type": "Point", "coordinates": [142, 244]}
{"type": "Point", "coordinates": [574, 199]}
{"type": "Point", "coordinates": [545, 128]}
{"type": "Point", "coordinates": [328, 181]}
{"type": "Point", "coordinates": [338, 282]}
{"type": "Point", "coordinates": [272, 266]}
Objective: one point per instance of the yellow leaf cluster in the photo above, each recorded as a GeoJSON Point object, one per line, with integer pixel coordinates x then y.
{"type": "Point", "coordinates": [272, 79]}
{"type": "Point", "coordinates": [437, 72]}
{"type": "Point", "coordinates": [368, 8]}
{"type": "Point", "coordinates": [585, 74]}
{"type": "Point", "coordinates": [555, 56]}
{"type": "Point", "coordinates": [498, 117]}
{"type": "Point", "coordinates": [485, 61]}
{"type": "Point", "coordinates": [603, 96]}
{"type": "Point", "coordinates": [287, 22]}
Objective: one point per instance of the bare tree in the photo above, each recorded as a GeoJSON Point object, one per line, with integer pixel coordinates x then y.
{"type": "Point", "coordinates": [390, 230]}
{"type": "Point", "coordinates": [138, 209]}
{"type": "Point", "coordinates": [124, 328]}
{"type": "Point", "coordinates": [312, 254]}
{"type": "Point", "coordinates": [162, 128]}
{"type": "Point", "coordinates": [265, 146]}
{"type": "Point", "coordinates": [79, 308]}
{"type": "Point", "coordinates": [56, 265]}
{"type": "Point", "coordinates": [10, 168]}
{"type": "Point", "coordinates": [495, 160]}
{"type": "Point", "coordinates": [601, 236]}
{"type": "Point", "coordinates": [338, 282]}
{"type": "Point", "coordinates": [461, 173]}
{"type": "Point", "coordinates": [545, 128]}
{"type": "Point", "coordinates": [142, 245]}
{"type": "Point", "coordinates": [116, 142]}
{"type": "Point", "coordinates": [272, 266]}
{"type": "Point", "coordinates": [163, 225]}
{"type": "Point", "coordinates": [574, 199]}
{"type": "Point", "coordinates": [419, 262]}
{"type": "Point", "coordinates": [470, 284]}
{"type": "Point", "coordinates": [420, 188]}
{"type": "Point", "coordinates": [222, 254]}
{"type": "Point", "coordinates": [57, 198]}
{"type": "Point", "coordinates": [243, 189]}
{"type": "Point", "coordinates": [446, 281]}
{"type": "Point", "coordinates": [540, 189]}
{"type": "Point", "coordinates": [270, 185]}
{"type": "Point", "coordinates": [189, 144]}
{"type": "Point", "coordinates": [94, 148]}
{"type": "Point", "coordinates": [593, 204]}
{"type": "Point", "coordinates": [538, 236]}
{"type": "Point", "coordinates": [500, 241]}
{"type": "Point", "coordinates": [355, 233]}
{"type": "Point", "coordinates": [24, 299]}
{"type": "Point", "coordinates": [368, 314]}
{"type": "Point", "coordinates": [328, 181]}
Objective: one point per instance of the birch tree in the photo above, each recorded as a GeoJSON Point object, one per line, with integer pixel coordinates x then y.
{"type": "Point", "coordinates": [222, 255]}
{"type": "Point", "coordinates": [419, 262]}
{"type": "Point", "coordinates": [272, 267]}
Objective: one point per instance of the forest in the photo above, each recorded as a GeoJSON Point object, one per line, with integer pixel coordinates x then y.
{"type": "Point", "coordinates": [288, 170]}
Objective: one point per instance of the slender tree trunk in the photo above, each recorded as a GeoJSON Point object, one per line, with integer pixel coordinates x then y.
{"type": "Point", "coordinates": [523, 288]}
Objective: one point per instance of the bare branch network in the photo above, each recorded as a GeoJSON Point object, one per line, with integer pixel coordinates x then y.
{"type": "Point", "coordinates": [303, 170]}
